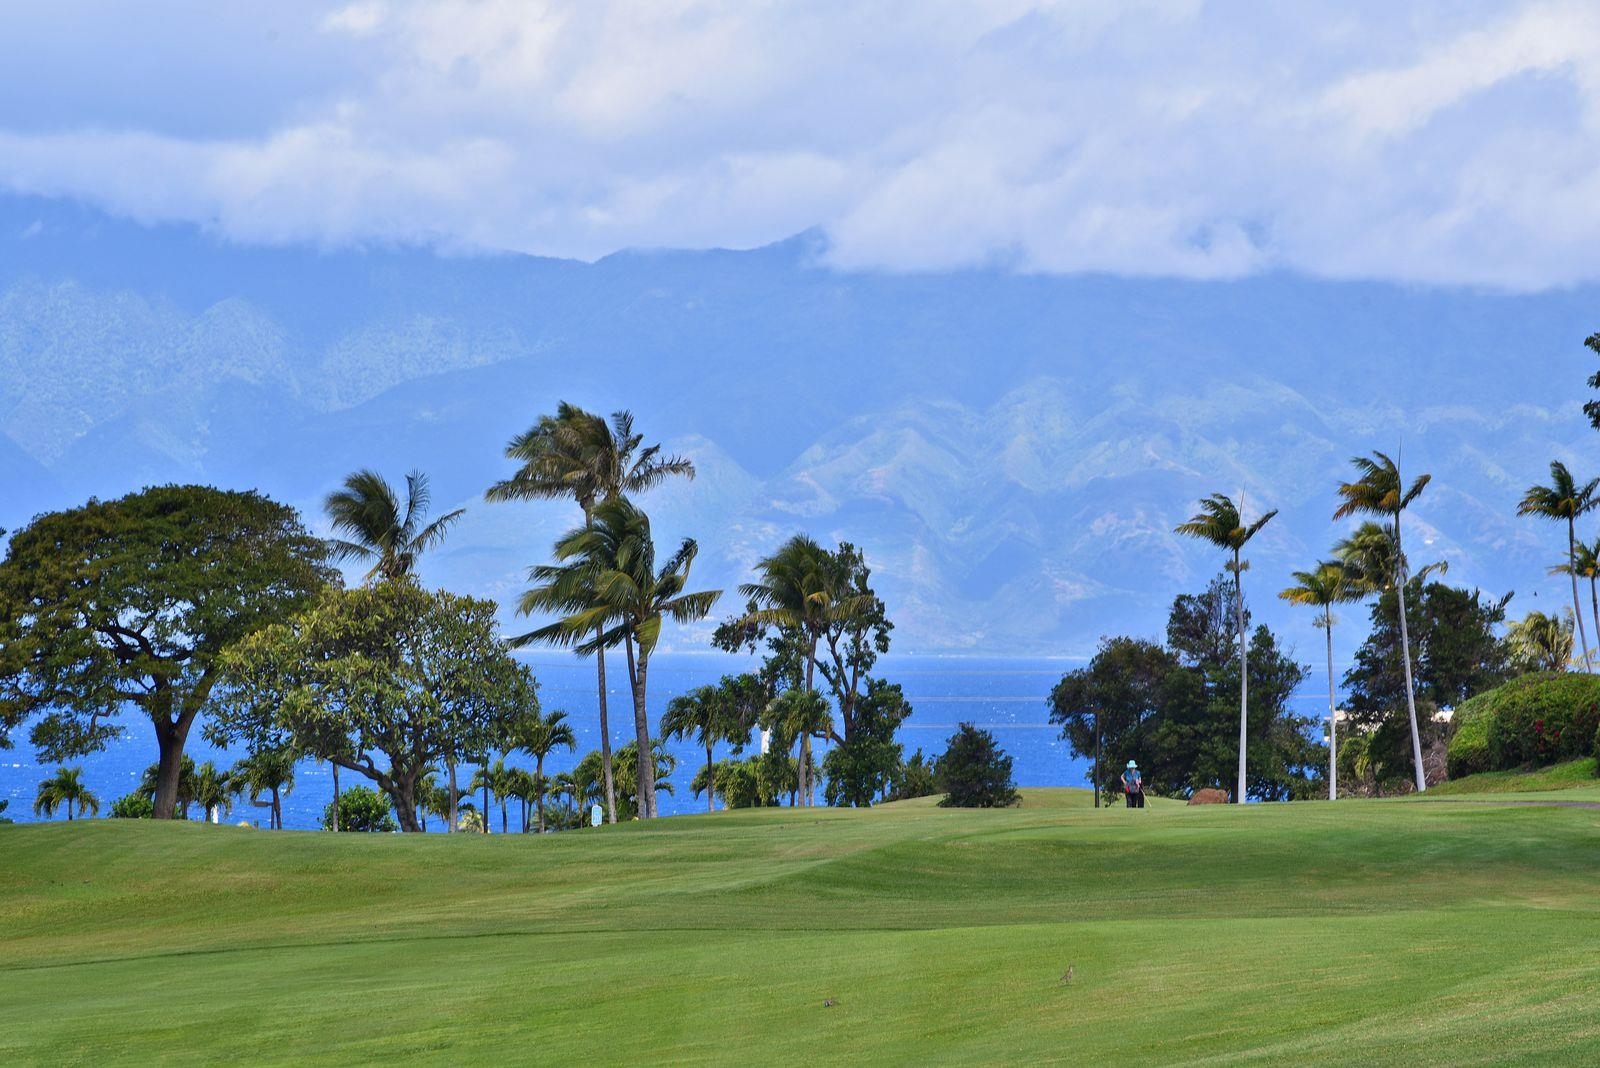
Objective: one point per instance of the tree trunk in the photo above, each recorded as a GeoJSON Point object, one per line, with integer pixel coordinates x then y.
{"type": "Point", "coordinates": [1244, 669]}
{"type": "Point", "coordinates": [337, 813]}
{"type": "Point", "coordinates": [605, 737]}
{"type": "Point", "coordinates": [538, 772]}
{"type": "Point", "coordinates": [1577, 605]}
{"type": "Point", "coordinates": [169, 768]}
{"type": "Point", "coordinates": [405, 806]}
{"type": "Point", "coordinates": [711, 781]}
{"type": "Point", "coordinates": [646, 798]}
{"type": "Point", "coordinates": [503, 823]}
{"type": "Point", "coordinates": [1594, 603]}
{"type": "Point", "coordinates": [1333, 715]}
{"type": "Point", "coordinates": [803, 772]}
{"type": "Point", "coordinates": [1097, 758]}
{"type": "Point", "coordinates": [69, 810]}
{"type": "Point", "coordinates": [485, 809]}
{"type": "Point", "coordinates": [1405, 658]}
{"type": "Point", "coordinates": [455, 796]}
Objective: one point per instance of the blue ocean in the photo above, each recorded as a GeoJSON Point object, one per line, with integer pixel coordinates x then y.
{"type": "Point", "coordinates": [1004, 696]}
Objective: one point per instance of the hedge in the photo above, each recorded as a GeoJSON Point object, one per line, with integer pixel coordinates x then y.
{"type": "Point", "coordinates": [1532, 720]}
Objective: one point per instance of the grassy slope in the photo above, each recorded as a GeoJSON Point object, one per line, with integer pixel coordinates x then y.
{"type": "Point", "coordinates": [1367, 932]}
{"type": "Point", "coordinates": [1573, 775]}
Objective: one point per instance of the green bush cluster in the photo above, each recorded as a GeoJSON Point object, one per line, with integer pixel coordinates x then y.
{"type": "Point", "coordinates": [1536, 719]}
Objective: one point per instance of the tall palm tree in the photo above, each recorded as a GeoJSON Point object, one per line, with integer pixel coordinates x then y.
{"type": "Point", "coordinates": [576, 454]}
{"type": "Point", "coordinates": [797, 716]}
{"type": "Point", "coordinates": [610, 565]}
{"type": "Point", "coordinates": [701, 714]}
{"type": "Point", "coordinates": [271, 772]}
{"type": "Point", "coordinates": [1378, 490]}
{"type": "Point", "coordinates": [214, 791]}
{"type": "Point", "coordinates": [375, 525]}
{"type": "Point", "coordinates": [1321, 588]}
{"type": "Point", "coordinates": [66, 788]}
{"type": "Point", "coordinates": [1564, 499]}
{"type": "Point", "coordinates": [797, 591]}
{"type": "Point", "coordinates": [539, 736]}
{"type": "Point", "coordinates": [1221, 523]}
{"type": "Point", "coordinates": [1586, 564]}
{"type": "Point", "coordinates": [496, 779]}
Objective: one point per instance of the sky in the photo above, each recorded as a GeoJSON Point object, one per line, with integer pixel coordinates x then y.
{"type": "Point", "coordinates": [1454, 143]}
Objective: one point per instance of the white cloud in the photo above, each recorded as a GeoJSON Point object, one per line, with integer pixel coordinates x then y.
{"type": "Point", "coordinates": [1381, 140]}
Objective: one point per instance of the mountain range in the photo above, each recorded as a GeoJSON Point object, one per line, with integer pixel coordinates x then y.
{"type": "Point", "coordinates": [1011, 450]}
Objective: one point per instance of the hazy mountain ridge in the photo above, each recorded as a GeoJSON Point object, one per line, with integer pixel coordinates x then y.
{"type": "Point", "coordinates": [1012, 451]}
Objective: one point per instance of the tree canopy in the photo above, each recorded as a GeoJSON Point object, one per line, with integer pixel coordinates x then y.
{"type": "Point", "coordinates": [385, 681]}
{"type": "Point", "coordinates": [129, 604]}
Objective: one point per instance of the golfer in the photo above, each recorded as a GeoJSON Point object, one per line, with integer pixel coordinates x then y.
{"type": "Point", "coordinates": [1133, 785]}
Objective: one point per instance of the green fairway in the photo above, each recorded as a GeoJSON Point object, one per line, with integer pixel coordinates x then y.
{"type": "Point", "coordinates": [1358, 933]}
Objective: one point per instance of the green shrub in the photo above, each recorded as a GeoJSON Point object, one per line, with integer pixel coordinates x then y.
{"type": "Point", "coordinates": [134, 806]}
{"type": "Point", "coordinates": [1468, 753]}
{"type": "Point", "coordinates": [1542, 719]}
{"type": "Point", "coordinates": [361, 809]}
{"type": "Point", "coordinates": [974, 772]}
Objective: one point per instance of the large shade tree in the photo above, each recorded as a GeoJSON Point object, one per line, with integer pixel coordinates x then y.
{"type": "Point", "coordinates": [1379, 490]}
{"type": "Point", "coordinates": [575, 454]}
{"type": "Point", "coordinates": [1564, 500]}
{"type": "Point", "coordinates": [385, 681]}
{"type": "Point", "coordinates": [1220, 522]}
{"type": "Point", "coordinates": [129, 604]}
{"type": "Point", "coordinates": [375, 526]}
{"type": "Point", "coordinates": [610, 590]}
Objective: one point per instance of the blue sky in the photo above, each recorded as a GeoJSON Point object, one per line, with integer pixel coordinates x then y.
{"type": "Point", "coordinates": [1444, 143]}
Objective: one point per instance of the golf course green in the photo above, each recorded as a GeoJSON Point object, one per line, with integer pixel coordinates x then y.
{"type": "Point", "coordinates": [1363, 932]}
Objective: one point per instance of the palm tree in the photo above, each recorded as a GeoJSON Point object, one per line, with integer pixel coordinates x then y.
{"type": "Point", "coordinates": [214, 791]}
{"type": "Point", "coordinates": [65, 787]}
{"type": "Point", "coordinates": [494, 779]}
{"type": "Point", "coordinates": [610, 565]}
{"type": "Point", "coordinates": [798, 716]}
{"type": "Point", "coordinates": [1379, 490]}
{"type": "Point", "coordinates": [1540, 642]}
{"type": "Point", "coordinates": [1220, 522]}
{"type": "Point", "coordinates": [539, 736]}
{"type": "Point", "coordinates": [1586, 564]}
{"type": "Point", "coordinates": [702, 714]}
{"type": "Point", "coordinates": [1322, 588]}
{"type": "Point", "coordinates": [577, 454]}
{"type": "Point", "coordinates": [796, 591]}
{"type": "Point", "coordinates": [1565, 499]}
{"type": "Point", "coordinates": [377, 527]}
{"type": "Point", "coordinates": [269, 771]}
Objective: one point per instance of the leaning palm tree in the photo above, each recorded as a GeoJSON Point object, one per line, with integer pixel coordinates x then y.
{"type": "Point", "coordinates": [65, 788]}
{"type": "Point", "coordinates": [1378, 490]}
{"type": "Point", "coordinates": [610, 566]}
{"type": "Point", "coordinates": [701, 714]}
{"type": "Point", "coordinates": [1322, 588]}
{"type": "Point", "coordinates": [1220, 522]}
{"type": "Point", "coordinates": [1565, 500]}
{"type": "Point", "coordinates": [578, 455]}
{"type": "Point", "coordinates": [376, 526]}
{"type": "Point", "coordinates": [539, 736]}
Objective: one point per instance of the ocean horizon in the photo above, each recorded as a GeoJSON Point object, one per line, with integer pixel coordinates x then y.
{"type": "Point", "coordinates": [1004, 695]}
